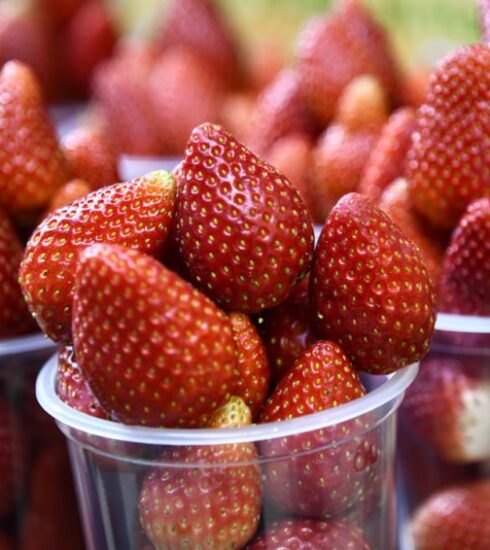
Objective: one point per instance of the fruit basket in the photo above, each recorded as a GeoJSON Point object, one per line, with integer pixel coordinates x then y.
{"type": "Point", "coordinates": [334, 463]}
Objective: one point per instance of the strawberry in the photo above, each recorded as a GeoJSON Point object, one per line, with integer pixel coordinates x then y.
{"type": "Point", "coordinates": [334, 49]}
{"type": "Point", "coordinates": [395, 201]}
{"type": "Point", "coordinates": [252, 364]}
{"type": "Point", "coordinates": [11, 456]}
{"type": "Point", "coordinates": [308, 533]}
{"type": "Point", "coordinates": [387, 160]}
{"type": "Point", "coordinates": [447, 406]}
{"type": "Point", "coordinates": [14, 317]}
{"type": "Point", "coordinates": [178, 347]}
{"type": "Point", "coordinates": [207, 494]}
{"type": "Point", "coordinates": [72, 388]}
{"type": "Point", "coordinates": [59, 12]}
{"type": "Point", "coordinates": [416, 86]}
{"type": "Point", "coordinates": [89, 38]}
{"type": "Point", "coordinates": [51, 517]}
{"type": "Point", "coordinates": [233, 414]}
{"type": "Point", "coordinates": [286, 331]}
{"type": "Point", "coordinates": [90, 156]}
{"type": "Point", "coordinates": [339, 160]}
{"type": "Point", "coordinates": [448, 163]}
{"type": "Point", "coordinates": [264, 61]}
{"type": "Point", "coordinates": [454, 519]}
{"type": "Point", "coordinates": [331, 476]}
{"type": "Point", "coordinates": [31, 163]}
{"type": "Point", "coordinates": [198, 25]}
{"type": "Point", "coordinates": [5, 542]}
{"type": "Point", "coordinates": [370, 289]}
{"type": "Point", "coordinates": [464, 283]}
{"type": "Point", "coordinates": [68, 193]}
{"type": "Point", "coordinates": [243, 230]}
{"type": "Point", "coordinates": [236, 113]}
{"type": "Point", "coordinates": [484, 19]}
{"type": "Point", "coordinates": [185, 91]}
{"type": "Point", "coordinates": [120, 86]}
{"type": "Point", "coordinates": [280, 111]}
{"type": "Point", "coordinates": [135, 214]}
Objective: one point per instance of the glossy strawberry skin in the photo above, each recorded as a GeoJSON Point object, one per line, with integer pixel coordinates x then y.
{"type": "Point", "coordinates": [448, 163]}
{"type": "Point", "coordinates": [454, 519]}
{"type": "Point", "coordinates": [68, 193]}
{"type": "Point", "coordinates": [72, 388]}
{"type": "Point", "coordinates": [306, 533]}
{"type": "Point", "coordinates": [153, 349]}
{"type": "Point", "coordinates": [370, 289]}
{"type": "Point", "coordinates": [252, 363]}
{"type": "Point", "coordinates": [244, 245]}
{"type": "Point", "coordinates": [135, 214]}
{"type": "Point", "coordinates": [464, 283]}
{"type": "Point", "coordinates": [313, 474]}
{"type": "Point", "coordinates": [31, 164]}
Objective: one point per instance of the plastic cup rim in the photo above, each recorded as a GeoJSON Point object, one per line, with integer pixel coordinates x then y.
{"type": "Point", "coordinates": [394, 387]}
{"type": "Point", "coordinates": [468, 324]}
{"type": "Point", "coordinates": [25, 344]}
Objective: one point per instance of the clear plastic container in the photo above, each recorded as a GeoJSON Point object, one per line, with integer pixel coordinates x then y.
{"type": "Point", "coordinates": [336, 463]}
{"type": "Point", "coordinates": [131, 167]}
{"type": "Point", "coordinates": [438, 453]}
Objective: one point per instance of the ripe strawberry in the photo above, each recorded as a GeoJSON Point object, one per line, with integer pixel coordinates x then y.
{"type": "Point", "coordinates": [31, 163]}
{"type": "Point", "coordinates": [339, 467]}
{"type": "Point", "coordinates": [68, 193]}
{"type": "Point", "coordinates": [246, 245]}
{"type": "Point", "coordinates": [484, 19]}
{"type": "Point", "coordinates": [177, 347]}
{"type": "Point", "coordinates": [59, 12]}
{"type": "Point", "coordinates": [395, 201]}
{"type": "Point", "coordinates": [14, 316]}
{"type": "Point", "coordinates": [203, 494]}
{"type": "Point", "coordinates": [72, 388]}
{"type": "Point", "coordinates": [120, 86]}
{"type": "Point", "coordinates": [339, 160]}
{"type": "Point", "coordinates": [448, 163]}
{"type": "Point", "coordinates": [89, 38]}
{"type": "Point", "coordinates": [185, 91]}
{"type": "Point", "coordinates": [307, 533]}
{"type": "Point", "coordinates": [198, 25]}
{"type": "Point", "coordinates": [90, 156]}
{"type": "Point", "coordinates": [454, 519]}
{"type": "Point", "coordinates": [286, 331]}
{"type": "Point", "coordinates": [465, 275]}
{"type": "Point", "coordinates": [335, 49]}
{"type": "Point", "coordinates": [280, 111]}
{"type": "Point", "coordinates": [447, 406]}
{"type": "Point", "coordinates": [370, 289]}
{"type": "Point", "coordinates": [252, 364]}
{"type": "Point", "coordinates": [5, 542]}
{"type": "Point", "coordinates": [387, 160]}
{"type": "Point", "coordinates": [136, 214]}
{"type": "Point", "coordinates": [11, 457]}
{"type": "Point", "coordinates": [51, 518]}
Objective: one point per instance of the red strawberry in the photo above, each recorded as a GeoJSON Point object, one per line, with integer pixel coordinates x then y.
{"type": "Point", "coordinates": [371, 291]}
{"type": "Point", "coordinates": [448, 406]}
{"type": "Point", "coordinates": [72, 388]}
{"type": "Point", "coordinates": [5, 542]}
{"type": "Point", "coordinates": [68, 193]}
{"type": "Point", "coordinates": [335, 49]}
{"type": "Point", "coordinates": [203, 494]}
{"type": "Point", "coordinates": [448, 163]}
{"type": "Point", "coordinates": [331, 476]}
{"type": "Point", "coordinates": [59, 12]}
{"type": "Point", "coordinates": [484, 19]}
{"type": "Point", "coordinates": [454, 519]}
{"type": "Point", "coordinates": [51, 519]}
{"type": "Point", "coordinates": [176, 346]}
{"type": "Point", "coordinates": [14, 316]}
{"type": "Point", "coordinates": [185, 91]}
{"type": "Point", "coordinates": [90, 156]}
{"type": "Point", "coordinates": [465, 275]}
{"type": "Point", "coordinates": [89, 38]}
{"type": "Point", "coordinates": [31, 163]}
{"type": "Point", "coordinates": [395, 201]}
{"type": "Point", "coordinates": [286, 331]}
{"type": "Point", "coordinates": [310, 534]}
{"type": "Point", "coordinates": [243, 230]}
{"type": "Point", "coordinates": [11, 456]}
{"type": "Point", "coordinates": [252, 364]}
{"type": "Point", "coordinates": [338, 164]}
{"type": "Point", "coordinates": [120, 86]}
{"type": "Point", "coordinates": [198, 25]}
{"type": "Point", "coordinates": [280, 111]}
{"type": "Point", "coordinates": [136, 214]}
{"type": "Point", "coordinates": [387, 160]}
